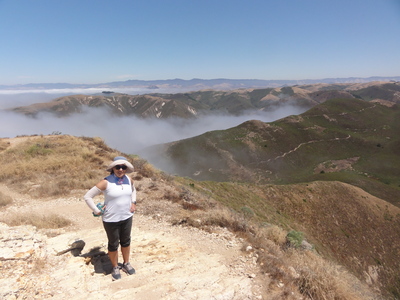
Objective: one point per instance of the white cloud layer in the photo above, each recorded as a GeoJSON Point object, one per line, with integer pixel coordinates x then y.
{"type": "Point", "coordinates": [67, 91]}
{"type": "Point", "coordinates": [128, 134]}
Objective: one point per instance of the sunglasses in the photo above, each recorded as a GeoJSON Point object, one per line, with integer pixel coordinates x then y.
{"type": "Point", "coordinates": [123, 167]}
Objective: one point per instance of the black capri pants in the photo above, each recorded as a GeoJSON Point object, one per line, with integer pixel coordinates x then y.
{"type": "Point", "coordinates": [118, 233]}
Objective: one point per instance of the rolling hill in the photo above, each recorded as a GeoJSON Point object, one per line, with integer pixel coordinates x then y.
{"type": "Point", "coordinates": [118, 104]}
{"type": "Point", "coordinates": [349, 140]}
{"type": "Point", "coordinates": [345, 224]}
{"type": "Point", "coordinates": [352, 232]}
{"type": "Point", "coordinates": [331, 172]}
{"type": "Point", "coordinates": [194, 104]}
{"type": "Point", "coordinates": [275, 169]}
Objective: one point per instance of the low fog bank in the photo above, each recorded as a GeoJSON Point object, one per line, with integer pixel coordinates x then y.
{"type": "Point", "coordinates": [128, 134]}
{"type": "Point", "coordinates": [24, 99]}
{"type": "Point", "coordinates": [15, 98]}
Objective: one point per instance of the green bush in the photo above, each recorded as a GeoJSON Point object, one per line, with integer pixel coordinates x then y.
{"type": "Point", "coordinates": [294, 238]}
{"type": "Point", "coordinates": [38, 149]}
{"type": "Point", "coordinates": [247, 212]}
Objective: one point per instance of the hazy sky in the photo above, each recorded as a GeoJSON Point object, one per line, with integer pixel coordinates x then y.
{"type": "Point", "coordinates": [95, 41]}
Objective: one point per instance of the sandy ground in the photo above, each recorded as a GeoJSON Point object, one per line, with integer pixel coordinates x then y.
{"type": "Point", "coordinates": [171, 262]}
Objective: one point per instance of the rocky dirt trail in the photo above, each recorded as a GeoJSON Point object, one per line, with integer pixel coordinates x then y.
{"type": "Point", "coordinates": [171, 262]}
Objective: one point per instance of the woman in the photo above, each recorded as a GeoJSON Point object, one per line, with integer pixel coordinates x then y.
{"type": "Point", "coordinates": [119, 207]}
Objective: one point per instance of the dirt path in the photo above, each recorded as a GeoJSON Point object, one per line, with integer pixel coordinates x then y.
{"type": "Point", "coordinates": [171, 262]}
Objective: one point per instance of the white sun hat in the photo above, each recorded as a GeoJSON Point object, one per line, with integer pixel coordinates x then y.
{"type": "Point", "coordinates": [120, 160]}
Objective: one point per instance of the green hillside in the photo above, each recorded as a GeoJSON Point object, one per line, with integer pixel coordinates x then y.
{"type": "Point", "coordinates": [294, 172]}
{"type": "Point", "coordinates": [346, 140]}
{"type": "Point", "coordinates": [388, 91]}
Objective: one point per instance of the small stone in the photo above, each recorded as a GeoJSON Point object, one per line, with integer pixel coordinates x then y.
{"type": "Point", "coordinates": [306, 246]}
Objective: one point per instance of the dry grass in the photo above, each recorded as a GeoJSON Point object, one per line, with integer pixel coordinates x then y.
{"type": "Point", "coordinates": [5, 200]}
{"type": "Point", "coordinates": [53, 166]}
{"type": "Point", "coordinates": [143, 168]}
{"type": "Point", "coordinates": [224, 217]}
{"type": "Point", "coordinates": [4, 144]}
{"type": "Point", "coordinates": [273, 233]}
{"type": "Point", "coordinates": [304, 271]}
{"type": "Point", "coordinates": [47, 221]}
{"type": "Point", "coordinates": [48, 166]}
{"type": "Point", "coordinates": [319, 279]}
{"type": "Point", "coordinates": [206, 215]}
{"type": "Point", "coordinates": [299, 273]}
{"type": "Point", "coordinates": [44, 159]}
{"type": "Point", "coordinates": [173, 196]}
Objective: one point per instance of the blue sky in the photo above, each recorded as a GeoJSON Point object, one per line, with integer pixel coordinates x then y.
{"type": "Point", "coordinates": [95, 41]}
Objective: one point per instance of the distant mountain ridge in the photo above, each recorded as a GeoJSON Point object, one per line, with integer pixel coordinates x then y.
{"type": "Point", "coordinates": [197, 84]}
{"type": "Point", "coordinates": [297, 171]}
{"type": "Point", "coordinates": [144, 106]}
{"type": "Point", "coordinates": [234, 102]}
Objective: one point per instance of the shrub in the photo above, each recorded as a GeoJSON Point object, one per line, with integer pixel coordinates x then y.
{"type": "Point", "coordinates": [51, 221]}
{"type": "Point", "coordinates": [4, 144]}
{"type": "Point", "coordinates": [226, 218]}
{"type": "Point", "coordinates": [294, 238]}
{"type": "Point", "coordinates": [5, 199]}
{"type": "Point", "coordinates": [320, 279]}
{"type": "Point", "coordinates": [172, 195]}
{"type": "Point", "coordinates": [274, 233]}
{"type": "Point", "coordinates": [143, 168]}
{"type": "Point", "coordinates": [247, 212]}
{"type": "Point", "coordinates": [38, 149]}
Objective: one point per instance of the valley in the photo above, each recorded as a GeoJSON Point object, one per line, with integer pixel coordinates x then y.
{"type": "Point", "coordinates": [330, 173]}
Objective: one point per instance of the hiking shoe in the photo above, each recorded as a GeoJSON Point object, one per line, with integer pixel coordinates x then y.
{"type": "Point", "coordinates": [115, 274]}
{"type": "Point", "coordinates": [126, 267]}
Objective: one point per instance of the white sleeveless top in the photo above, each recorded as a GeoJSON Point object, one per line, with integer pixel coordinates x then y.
{"type": "Point", "coordinates": [117, 198]}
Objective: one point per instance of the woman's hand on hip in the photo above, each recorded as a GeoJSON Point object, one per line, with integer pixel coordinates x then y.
{"type": "Point", "coordinates": [133, 208]}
